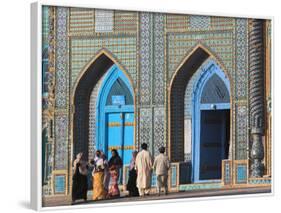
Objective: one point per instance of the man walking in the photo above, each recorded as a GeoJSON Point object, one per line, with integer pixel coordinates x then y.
{"type": "Point", "coordinates": [143, 168]}
{"type": "Point", "coordinates": [161, 166]}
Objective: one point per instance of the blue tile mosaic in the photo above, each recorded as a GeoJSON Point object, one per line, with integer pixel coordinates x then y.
{"type": "Point", "coordinates": [241, 173]}
{"type": "Point", "coordinates": [59, 183]}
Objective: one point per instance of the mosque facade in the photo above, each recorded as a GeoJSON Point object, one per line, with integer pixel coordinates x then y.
{"type": "Point", "coordinates": [198, 85]}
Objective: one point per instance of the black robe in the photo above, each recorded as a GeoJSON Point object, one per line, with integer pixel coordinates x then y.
{"type": "Point", "coordinates": [79, 185]}
{"type": "Point", "coordinates": [132, 183]}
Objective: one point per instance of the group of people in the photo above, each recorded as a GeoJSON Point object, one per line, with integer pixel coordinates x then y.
{"type": "Point", "coordinates": [103, 175]}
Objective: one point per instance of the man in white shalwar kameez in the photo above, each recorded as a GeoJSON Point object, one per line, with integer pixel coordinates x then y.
{"type": "Point", "coordinates": [144, 169]}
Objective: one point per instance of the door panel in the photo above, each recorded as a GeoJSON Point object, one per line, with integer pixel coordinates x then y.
{"type": "Point", "coordinates": [212, 143]}
{"type": "Point", "coordinates": [128, 136]}
{"type": "Point", "coordinates": [114, 132]}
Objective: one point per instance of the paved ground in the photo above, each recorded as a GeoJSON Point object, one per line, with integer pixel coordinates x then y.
{"type": "Point", "coordinates": [62, 201]}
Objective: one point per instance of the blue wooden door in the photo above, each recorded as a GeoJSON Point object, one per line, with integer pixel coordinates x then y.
{"type": "Point", "coordinates": [212, 143]}
{"type": "Point", "coordinates": [120, 134]}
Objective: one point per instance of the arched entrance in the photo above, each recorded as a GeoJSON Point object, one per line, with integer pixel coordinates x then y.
{"type": "Point", "coordinates": [176, 101]}
{"type": "Point", "coordinates": [177, 132]}
{"type": "Point", "coordinates": [115, 115]}
{"type": "Point", "coordinates": [210, 123]}
{"type": "Point", "coordinates": [96, 69]}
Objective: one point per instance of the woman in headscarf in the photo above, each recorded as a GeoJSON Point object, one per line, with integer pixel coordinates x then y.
{"type": "Point", "coordinates": [79, 179]}
{"type": "Point", "coordinates": [132, 181]}
{"type": "Point", "coordinates": [115, 163]}
{"type": "Point", "coordinates": [98, 177]}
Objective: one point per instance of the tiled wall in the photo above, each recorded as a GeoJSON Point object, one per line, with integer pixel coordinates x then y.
{"type": "Point", "coordinates": [150, 48]}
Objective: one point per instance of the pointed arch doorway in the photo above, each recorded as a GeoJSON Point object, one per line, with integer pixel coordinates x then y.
{"type": "Point", "coordinates": [176, 119]}
{"type": "Point", "coordinates": [210, 123]}
{"type": "Point", "coordinates": [115, 115]}
{"type": "Point", "coordinates": [98, 68]}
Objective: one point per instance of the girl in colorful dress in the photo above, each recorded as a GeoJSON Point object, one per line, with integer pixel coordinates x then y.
{"type": "Point", "coordinates": [114, 164]}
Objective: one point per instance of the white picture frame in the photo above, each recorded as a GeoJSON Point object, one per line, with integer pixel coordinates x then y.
{"type": "Point", "coordinates": [36, 97]}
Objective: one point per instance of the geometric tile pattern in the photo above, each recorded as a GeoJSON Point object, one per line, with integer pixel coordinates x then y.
{"type": "Point", "coordinates": [176, 22]}
{"type": "Point", "coordinates": [61, 58]}
{"type": "Point", "coordinates": [60, 184]}
{"type": "Point", "coordinates": [200, 186]}
{"type": "Point", "coordinates": [159, 129]}
{"type": "Point", "coordinates": [241, 173]}
{"type": "Point", "coordinates": [92, 119]}
{"type": "Point", "coordinates": [124, 49]}
{"type": "Point", "coordinates": [125, 22]}
{"type": "Point", "coordinates": [241, 80]}
{"type": "Point", "coordinates": [189, 90]}
{"type": "Point", "coordinates": [260, 181]}
{"type": "Point", "coordinates": [241, 132]}
{"type": "Point", "coordinates": [81, 21]}
{"type": "Point", "coordinates": [145, 125]}
{"type": "Point", "coordinates": [220, 43]}
{"type": "Point", "coordinates": [173, 176]}
{"type": "Point", "coordinates": [145, 57]}
{"type": "Point", "coordinates": [103, 20]}
{"type": "Point", "coordinates": [222, 23]}
{"type": "Point", "coordinates": [227, 177]}
{"type": "Point", "coordinates": [159, 60]}
{"type": "Point", "coordinates": [183, 23]}
{"type": "Point", "coordinates": [199, 22]}
{"type": "Point", "coordinates": [61, 137]}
